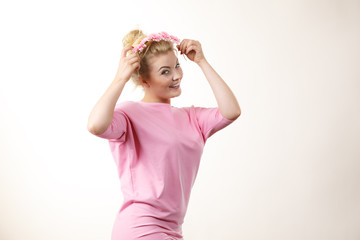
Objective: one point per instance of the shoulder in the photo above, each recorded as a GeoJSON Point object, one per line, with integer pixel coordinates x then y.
{"type": "Point", "coordinates": [188, 108]}
{"type": "Point", "coordinates": [199, 110]}
{"type": "Point", "coordinates": [125, 106]}
{"type": "Point", "coordinates": [192, 109]}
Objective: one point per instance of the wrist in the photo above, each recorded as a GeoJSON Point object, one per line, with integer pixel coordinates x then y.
{"type": "Point", "coordinates": [119, 80]}
{"type": "Point", "coordinates": [202, 62]}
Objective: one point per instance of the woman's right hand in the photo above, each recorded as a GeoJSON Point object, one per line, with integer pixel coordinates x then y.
{"type": "Point", "coordinates": [128, 64]}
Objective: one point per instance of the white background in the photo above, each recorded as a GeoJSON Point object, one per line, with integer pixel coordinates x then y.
{"type": "Point", "coordinates": [287, 168]}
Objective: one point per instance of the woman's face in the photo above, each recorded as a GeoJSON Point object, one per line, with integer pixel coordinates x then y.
{"type": "Point", "coordinates": [164, 72]}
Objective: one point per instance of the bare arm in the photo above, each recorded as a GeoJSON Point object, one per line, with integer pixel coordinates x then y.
{"type": "Point", "coordinates": [102, 114]}
{"type": "Point", "coordinates": [226, 100]}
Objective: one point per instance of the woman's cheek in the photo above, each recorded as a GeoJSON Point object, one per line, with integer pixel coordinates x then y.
{"type": "Point", "coordinates": [181, 72]}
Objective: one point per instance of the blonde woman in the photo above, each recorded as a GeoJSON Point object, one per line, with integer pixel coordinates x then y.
{"type": "Point", "coordinates": [157, 147]}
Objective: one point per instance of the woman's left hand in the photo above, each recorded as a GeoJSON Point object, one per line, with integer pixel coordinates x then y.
{"type": "Point", "coordinates": [192, 50]}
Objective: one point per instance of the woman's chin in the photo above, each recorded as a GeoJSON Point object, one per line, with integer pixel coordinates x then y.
{"type": "Point", "coordinates": [178, 93]}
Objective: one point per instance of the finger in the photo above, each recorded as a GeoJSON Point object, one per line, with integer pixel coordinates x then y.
{"type": "Point", "coordinates": [187, 44]}
{"type": "Point", "coordinates": [182, 44]}
{"type": "Point", "coordinates": [186, 47]}
{"type": "Point", "coordinates": [133, 60]}
{"type": "Point", "coordinates": [190, 43]}
{"type": "Point", "coordinates": [133, 55]}
{"type": "Point", "coordinates": [125, 50]}
{"type": "Point", "coordinates": [189, 49]}
{"type": "Point", "coordinates": [178, 47]}
{"type": "Point", "coordinates": [137, 66]}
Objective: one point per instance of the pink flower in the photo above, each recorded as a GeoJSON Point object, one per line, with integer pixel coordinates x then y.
{"type": "Point", "coordinates": [156, 37]}
{"type": "Point", "coordinates": [165, 35]}
{"type": "Point", "coordinates": [177, 40]}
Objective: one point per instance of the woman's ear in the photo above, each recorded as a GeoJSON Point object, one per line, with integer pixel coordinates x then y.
{"type": "Point", "coordinates": [143, 82]}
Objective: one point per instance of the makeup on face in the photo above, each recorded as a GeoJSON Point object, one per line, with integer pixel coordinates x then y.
{"type": "Point", "coordinates": [168, 70]}
{"type": "Point", "coordinates": [165, 77]}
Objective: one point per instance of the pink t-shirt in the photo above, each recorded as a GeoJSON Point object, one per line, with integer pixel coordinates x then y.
{"type": "Point", "coordinates": [157, 149]}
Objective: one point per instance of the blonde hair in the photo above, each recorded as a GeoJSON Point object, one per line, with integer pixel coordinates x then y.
{"type": "Point", "coordinates": [153, 48]}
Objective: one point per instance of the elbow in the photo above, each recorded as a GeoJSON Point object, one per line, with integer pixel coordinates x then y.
{"type": "Point", "coordinates": [233, 116]}
{"type": "Point", "coordinates": [236, 114]}
{"type": "Point", "coordinates": [92, 128]}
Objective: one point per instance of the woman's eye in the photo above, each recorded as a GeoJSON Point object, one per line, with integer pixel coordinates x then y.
{"type": "Point", "coordinates": [165, 72]}
{"type": "Point", "coordinates": [177, 65]}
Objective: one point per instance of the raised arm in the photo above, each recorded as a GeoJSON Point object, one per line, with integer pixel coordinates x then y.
{"type": "Point", "coordinates": [226, 100]}
{"type": "Point", "coordinates": [102, 114]}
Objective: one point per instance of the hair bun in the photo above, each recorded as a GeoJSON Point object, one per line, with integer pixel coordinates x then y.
{"type": "Point", "coordinates": [133, 38]}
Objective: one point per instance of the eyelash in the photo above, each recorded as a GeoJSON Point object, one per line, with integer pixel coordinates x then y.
{"type": "Point", "coordinates": [168, 70]}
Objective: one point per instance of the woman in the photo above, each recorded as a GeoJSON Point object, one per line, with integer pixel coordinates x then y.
{"type": "Point", "coordinates": [157, 147]}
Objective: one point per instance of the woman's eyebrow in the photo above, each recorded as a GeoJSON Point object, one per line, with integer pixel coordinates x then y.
{"type": "Point", "coordinates": [177, 61]}
{"type": "Point", "coordinates": [163, 67]}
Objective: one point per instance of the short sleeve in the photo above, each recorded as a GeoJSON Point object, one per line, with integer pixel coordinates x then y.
{"type": "Point", "coordinates": [210, 121]}
{"type": "Point", "coordinates": [117, 128]}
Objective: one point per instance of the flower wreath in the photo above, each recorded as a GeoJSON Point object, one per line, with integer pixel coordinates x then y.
{"type": "Point", "coordinates": [155, 37]}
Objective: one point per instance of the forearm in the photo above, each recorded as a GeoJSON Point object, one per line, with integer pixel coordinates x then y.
{"type": "Point", "coordinates": [226, 100]}
{"type": "Point", "coordinates": [101, 115]}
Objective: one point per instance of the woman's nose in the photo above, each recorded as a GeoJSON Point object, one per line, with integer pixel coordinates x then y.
{"type": "Point", "coordinates": [177, 75]}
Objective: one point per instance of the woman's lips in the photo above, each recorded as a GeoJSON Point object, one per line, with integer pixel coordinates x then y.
{"type": "Point", "coordinates": [177, 86]}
